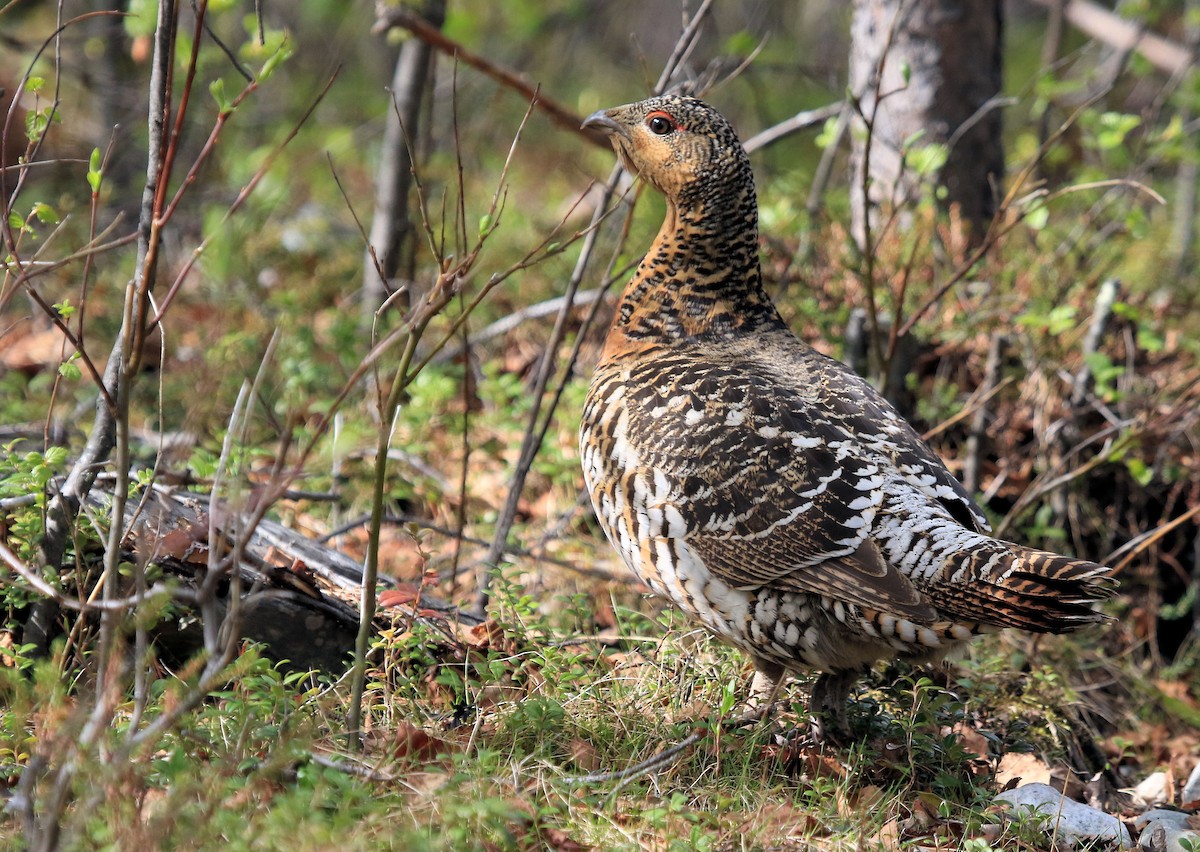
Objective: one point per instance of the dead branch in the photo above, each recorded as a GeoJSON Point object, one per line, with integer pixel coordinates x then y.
{"type": "Point", "coordinates": [1103, 25]}
{"type": "Point", "coordinates": [104, 605]}
{"type": "Point", "coordinates": [504, 325]}
{"type": "Point", "coordinates": [391, 224]}
{"type": "Point", "coordinates": [663, 758]}
{"type": "Point", "coordinates": [399, 16]}
{"type": "Point", "coordinates": [979, 421]}
{"type": "Point", "coordinates": [1101, 314]}
{"type": "Point", "coordinates": [799, 121]}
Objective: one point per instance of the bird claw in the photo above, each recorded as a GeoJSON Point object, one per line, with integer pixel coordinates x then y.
{"type": "Point", "coordinates": [829, 729]}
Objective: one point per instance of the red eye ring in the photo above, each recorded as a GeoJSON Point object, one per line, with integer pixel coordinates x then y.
{"type": "Point", "coordinates": [661, 123]}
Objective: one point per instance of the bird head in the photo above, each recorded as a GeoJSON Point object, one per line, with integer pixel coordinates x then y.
{"type": "Point", "coordinates": [681, 145]}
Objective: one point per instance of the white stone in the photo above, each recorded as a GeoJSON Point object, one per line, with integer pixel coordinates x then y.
{"type": "Point", "coordinates": [1065, 818]}
{"type": "Point", "coordinates": [1191, 789]}
{"type": "Point", "coordinates": [1155, 790]}
{"type": "Point", "coordinates": [1165, 831]}
{"type": "Point", "coordinates": [1175, 818]}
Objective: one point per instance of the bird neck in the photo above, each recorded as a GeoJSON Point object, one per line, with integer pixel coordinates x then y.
{"type": "Point", "coordinates": [700, 279]}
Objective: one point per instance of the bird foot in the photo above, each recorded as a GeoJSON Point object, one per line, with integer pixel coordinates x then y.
{"type": "Point", "coordinates": [827, 707]}
{"type": "Point", "coordinates": [764, 691]}
{"type": "Point", "coordinates": [752, 716]}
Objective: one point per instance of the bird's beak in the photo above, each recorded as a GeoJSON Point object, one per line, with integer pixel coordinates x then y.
{"type": "Point", "coordinates": [602, 121]}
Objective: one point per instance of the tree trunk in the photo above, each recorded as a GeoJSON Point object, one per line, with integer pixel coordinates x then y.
{"type": "Point", "coordinates": [937, 64]}
{"type": "Point", "coordinates": [1187, 178]}
{"type": "Point", "coordinates": [391, 225]}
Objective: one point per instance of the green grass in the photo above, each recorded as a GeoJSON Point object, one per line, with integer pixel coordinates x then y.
{"type": "Point", "coordinates": [495, 741]}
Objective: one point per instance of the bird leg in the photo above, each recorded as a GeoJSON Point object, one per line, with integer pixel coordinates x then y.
{"type": "Point", "coordinates": [827, 707]}
{"type": "Point", "coordinates": [764, 688]}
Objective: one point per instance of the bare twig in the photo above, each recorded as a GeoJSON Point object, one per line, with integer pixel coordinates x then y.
{"type": "Point", "coordinates": [508, 323]}
{"type": "Point", "coordinates": [452, 277]}
{"type": "Point", "coordinates": [118, 605]}
{"type": "Point", "coordinates": [103, 436]}
{"type": "Point", "coordinates": [406, 18]}
{"type": "Point", "coordinates": [1047, 483]}
{"type": "Point", "coordinates": [531, 441]}
{"type": "Point", "coordinates": [1101, 314]}
{"type": "Point", "coordinates": [652, 764]}
{"type": "Point", "coordinates": [975, 436]}
{"type": "Point", "coordinates": [684, 45]}
{"type": "Point", "coordinates": [244, 192]}
{"type": "Point", "coordinates": [353, 767]}
{"type": "Point", "coordinates": [799, 121]}
{"type": "Point", "coordinates": [8, 194]}
{"type": "Point", "coordinates": [391, 224]}
{"type": "Point", "coordinates": [864, 233]}
{"type": "Point", "coordinates": [1125, 35]}
{"type": "Point", "coordinates": [1140, 543]}
{"type": "Point", "coordinates": [108, 432]}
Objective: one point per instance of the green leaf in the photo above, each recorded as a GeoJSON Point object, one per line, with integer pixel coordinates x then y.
{"type": "Point", "coordinates": [741, 44]}
{"type": "Point", "coordinates": [910, 142]}
{"type": "Point", "coordinates": [729, 697]}
{"type": "Point", "coordinates": [1126, 311]}
{"type": "Point", "coordinates": [217, 89]}
{"type": "Point", "coordinates": [1057, 321]}
{"type": "Point", "coordinates": [485, 224]}
{"type": "Point", "coordinates": [829, 133]}
{"type": "Point", "coordinates": [1061, 319]}
{"type": "Point", "coordinates": [1114, 127]}
{"type": "Point", "coordinates": [56, 457]}
{"type": "Point", "coordinates": [1138, 223]}
{"type": "Point", "coordinates": [70, 371]}
{"type": "Point", "coordinates": [905, 72]}
{"type": "Point", "coordinates": [45, 213]}
{"type": "Point", "coordinates": [1037, 217]}
{"type": "Point", "coordinates": [1179, 709]}
{"type": "Point", "coordinates": [280, 56]}
{"type": "Point", "coordinates": [93, 175]}
{"type": "Point", "coordinates": [1150, 340]}
{"type": "Point", "coordinates": [140, 17]}
{"type": "Point", "coordinates": [928, 159]}
{"type": "Point", "coordinates": [1102, 366]}
{"type": "Point", "coordinates": [34, 85]}
{"type": "Point", "coordinates": [37, 122]}
{"type": "Point", "coordinates": [1174, 129]}
{"type": "Point", "coordinates": [1140, 471]}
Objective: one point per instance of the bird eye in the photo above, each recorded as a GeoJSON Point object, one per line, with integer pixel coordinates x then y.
{"type": "Point", "coordinates": [660, 124]}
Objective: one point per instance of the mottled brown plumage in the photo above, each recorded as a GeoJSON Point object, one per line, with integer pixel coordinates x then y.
{"type": "Point", "coordinates": [765, 489]}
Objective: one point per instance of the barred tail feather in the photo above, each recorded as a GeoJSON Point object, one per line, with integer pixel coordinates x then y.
{"type": "Point", "coordinates": [1031, 589]}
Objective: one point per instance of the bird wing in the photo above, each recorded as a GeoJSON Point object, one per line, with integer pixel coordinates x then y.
{"type": "Point", "coordinates": [777, 490]}
{"type": "Point", "coordinates": [876, 422]}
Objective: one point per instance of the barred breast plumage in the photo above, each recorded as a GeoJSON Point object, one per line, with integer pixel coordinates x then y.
{"type": "Point", "coordinates": [765, 489]}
